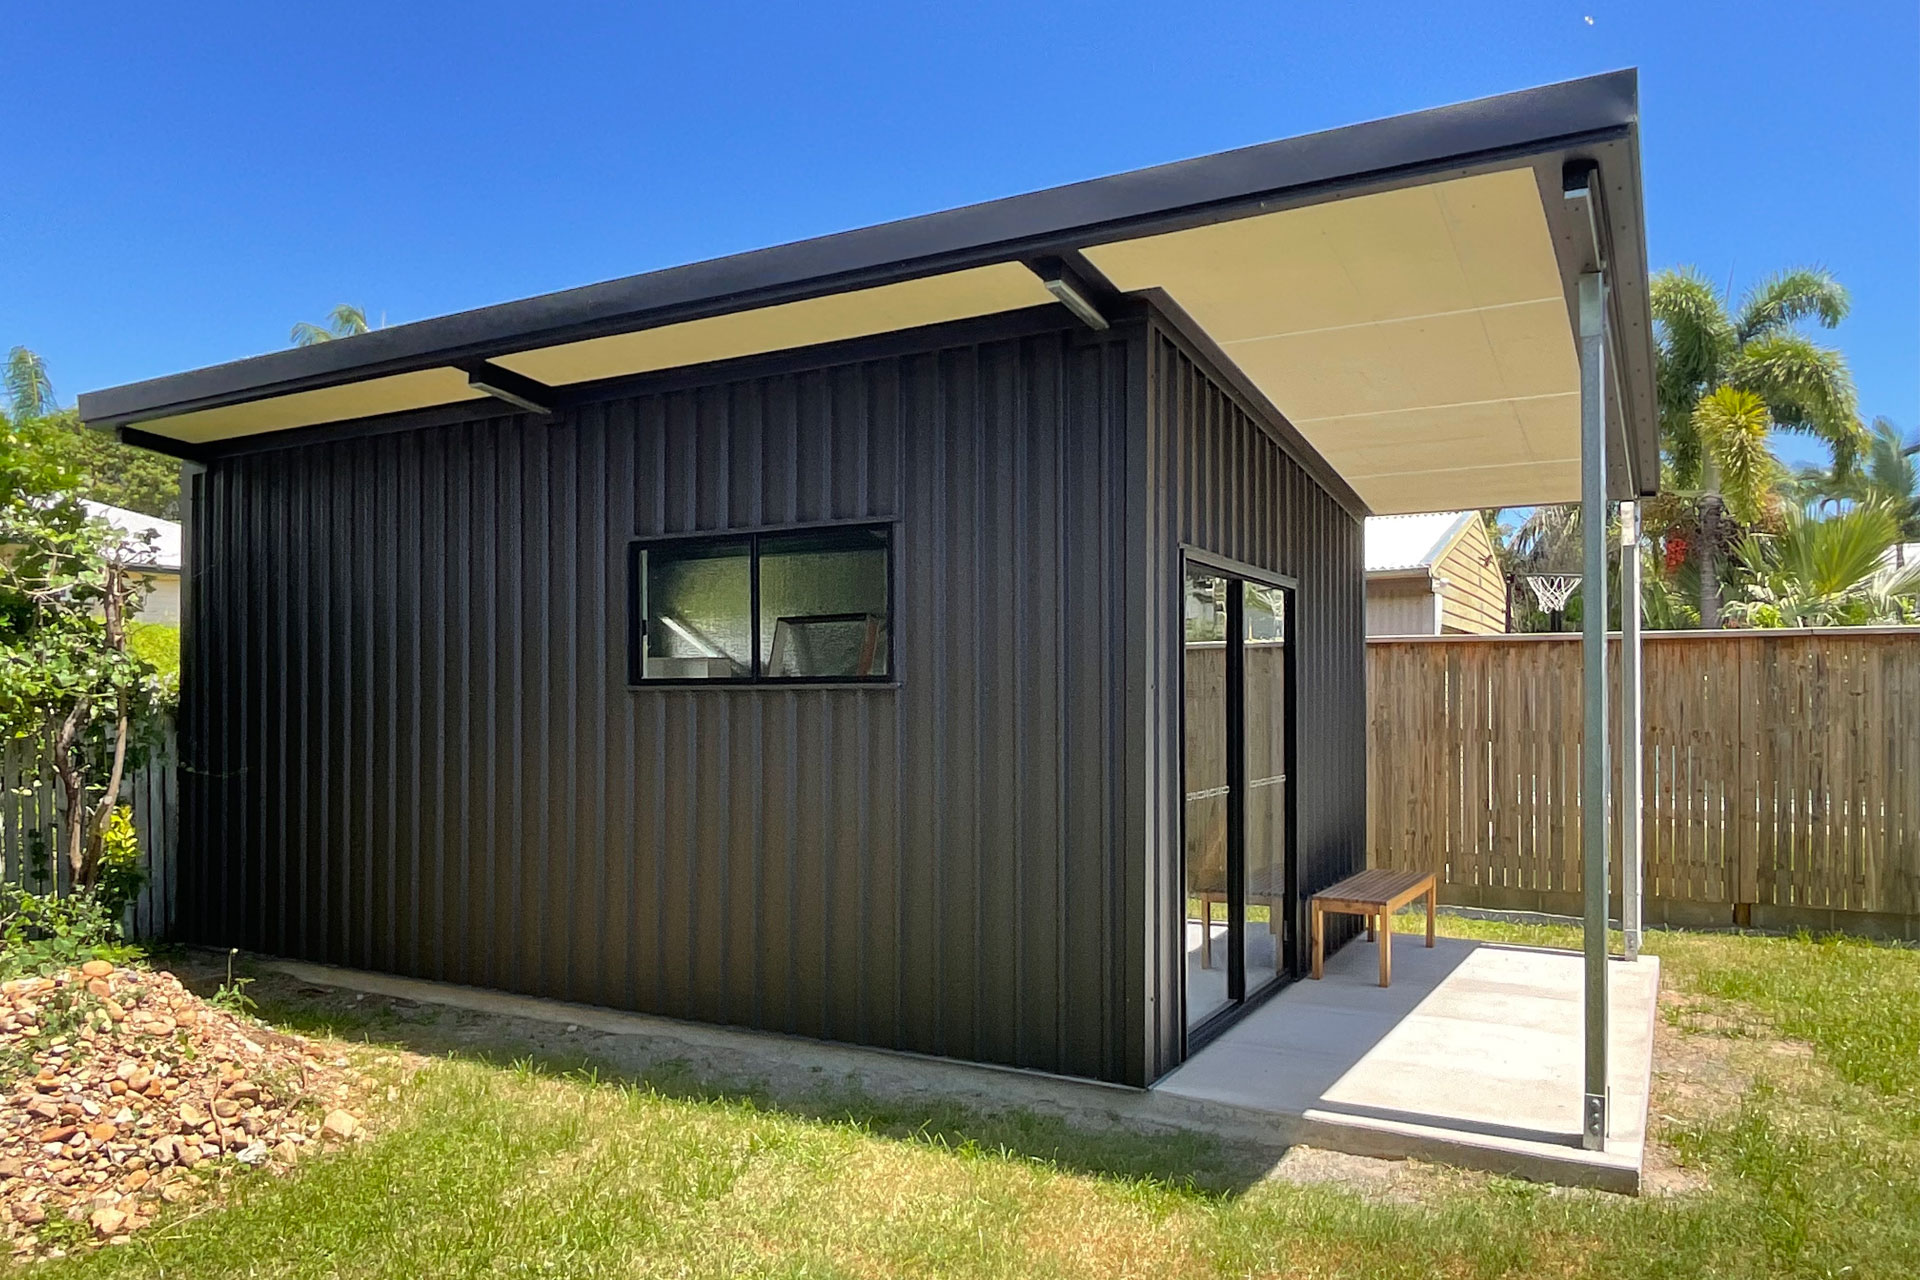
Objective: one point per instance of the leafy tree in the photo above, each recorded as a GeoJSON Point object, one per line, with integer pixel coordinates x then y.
{"type": "Point", "coordinates": [67, 587]}
{"type": "Point", "coordinates": [343, 321]}
{"type": "Point", "coordinates": [100, 467]}
{"type": "Point", "coordinates": [1728, 376]}
{"type": "Point", "coordinates": [105, 470]}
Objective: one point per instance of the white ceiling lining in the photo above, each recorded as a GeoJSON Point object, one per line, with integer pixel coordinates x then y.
{"type": "Point", "coordinates": [1418, 332]}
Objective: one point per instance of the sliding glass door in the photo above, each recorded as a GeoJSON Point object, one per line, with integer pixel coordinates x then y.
{"type": "Point", "coordinates": [1236, 739]}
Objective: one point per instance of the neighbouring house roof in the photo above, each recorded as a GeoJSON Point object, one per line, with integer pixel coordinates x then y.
{"type": "Point", "coordinates": [1400, 543]}
{"type": "Point", "coordinates": [1403, 293]}
{"type": "Point", "coordinates": [166, 542]}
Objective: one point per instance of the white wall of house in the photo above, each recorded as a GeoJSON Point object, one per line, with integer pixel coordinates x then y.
{"type": "Point", "coordinates": [163, 601]}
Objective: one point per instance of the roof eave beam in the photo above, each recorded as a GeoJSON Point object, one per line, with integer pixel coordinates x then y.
{"type": "Point", "coordinates": [514, 388]}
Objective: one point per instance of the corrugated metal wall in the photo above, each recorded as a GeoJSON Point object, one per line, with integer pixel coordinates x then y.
{"type": "Point", "coordinates": [1218, 481]}
{"type": "Point", "coordinates": [409, 745]}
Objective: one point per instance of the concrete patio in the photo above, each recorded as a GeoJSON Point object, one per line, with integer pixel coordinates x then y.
{"type": "Point", "coordinates": [1472, 1057]}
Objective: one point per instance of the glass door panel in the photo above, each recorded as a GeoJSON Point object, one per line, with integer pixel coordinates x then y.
{"type": "Point", "coordinates": [1264, 734]}
{"type": "Point", "coordinates": [1209, 938]}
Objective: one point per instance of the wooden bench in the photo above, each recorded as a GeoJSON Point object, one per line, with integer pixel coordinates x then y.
{"type": "Point", "coordinates": [1370, 894]}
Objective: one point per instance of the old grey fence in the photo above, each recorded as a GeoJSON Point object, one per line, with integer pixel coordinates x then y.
{"type": "Point", "coordinates": [31, 822]}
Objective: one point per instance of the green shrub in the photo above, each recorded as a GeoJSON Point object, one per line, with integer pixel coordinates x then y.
{"type": "Point", "coordinates": [121, 874]}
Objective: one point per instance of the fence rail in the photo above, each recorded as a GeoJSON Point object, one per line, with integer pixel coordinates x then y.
{"type": "Point", "coordinates": [1781, 773]}
{"type": "Point", "coordinates": [32, 822]}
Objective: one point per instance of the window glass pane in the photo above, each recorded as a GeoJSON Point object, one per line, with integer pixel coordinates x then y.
{"type": "Point", "coordinates": [1205, 811]}
{"type": "Point", "coordinates": [1264, 664]}
{"type": "Point", "coordinates": [823, 604]}
{"type": "Point", "coordinates": [699, 610]}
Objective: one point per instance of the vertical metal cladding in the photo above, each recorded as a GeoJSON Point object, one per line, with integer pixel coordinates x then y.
{"type": "Point", "coordinates": [409, 745]}
{"type": "Point", "coordinates": [1217, 479]}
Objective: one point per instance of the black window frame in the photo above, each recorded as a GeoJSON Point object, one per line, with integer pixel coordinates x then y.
{"type": "Point", "coordinates": [636, 595]}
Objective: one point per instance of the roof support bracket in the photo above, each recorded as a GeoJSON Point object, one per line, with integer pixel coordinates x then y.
{"type": "Point", "coordinates": [1073, 290]}
{"type": "Point", "coordinates": [504, 384]}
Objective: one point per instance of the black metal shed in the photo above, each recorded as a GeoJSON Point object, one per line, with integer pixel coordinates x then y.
{"type": "Point", "coordinates": [809, 640]}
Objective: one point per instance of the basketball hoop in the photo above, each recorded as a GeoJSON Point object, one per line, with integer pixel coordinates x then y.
{"type": "Point", "coordinates": [1552, 590]}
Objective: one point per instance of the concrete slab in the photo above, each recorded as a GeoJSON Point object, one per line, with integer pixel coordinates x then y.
{"type": "Point", "coordinates": [1473, 1057]}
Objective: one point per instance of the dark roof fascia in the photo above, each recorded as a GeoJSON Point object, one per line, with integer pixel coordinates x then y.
{"type": "Point", "coordinates": [1057, 220]}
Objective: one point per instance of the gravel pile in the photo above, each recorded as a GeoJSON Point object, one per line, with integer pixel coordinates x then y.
{"type": "Point", "coordinates": [125, 1092]}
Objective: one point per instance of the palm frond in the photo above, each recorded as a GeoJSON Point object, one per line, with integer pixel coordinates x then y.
{"type": "Point", "coordinates": [1898, 581]}
{"type": "Point", "coordinates": [346, 320]}
{"type": "Point", "coordinates": [29, 389]}
{"type": "Point", "coordinates": [1696, 337]}
{"type": "Point", "coordinates": [1808, 389]}
{"type": "Point", "coordinates": [1733, 425]}
{"type": "Point", "coordinates": [1783, 300]}
{"type": "Point", "coordinates": [1834, 556]}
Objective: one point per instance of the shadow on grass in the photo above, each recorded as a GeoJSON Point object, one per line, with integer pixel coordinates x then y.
{"type": "Point", "coordinates": [1200, 1165]}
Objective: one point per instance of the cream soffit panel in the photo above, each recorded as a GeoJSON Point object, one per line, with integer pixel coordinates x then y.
{"type": "Point", "coordinates": [1413, 333]}
{"type": "Point", "coordinates": [419, 390]}
{"type": "Point", "coordinates": [958, 295]}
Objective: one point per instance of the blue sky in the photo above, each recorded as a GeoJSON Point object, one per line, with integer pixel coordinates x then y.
{"type": "Point", "coordinates": [190, 180]}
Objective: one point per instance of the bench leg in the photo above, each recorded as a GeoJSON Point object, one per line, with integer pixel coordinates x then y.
{"type": "Point", "coordinates": [1386, 949]}
{"type": "Point", "coordinates": [1206, 932]}
{"type": "Point", "coordinates": [1369, 926]}
{"type": "Point", "coordinates": [1319, 931]}
{"type": "Point", "coordinates": [1432, 894]}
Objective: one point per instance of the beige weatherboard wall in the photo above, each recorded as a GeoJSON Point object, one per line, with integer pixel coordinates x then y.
{"type": "Point", "coordinates": [1418, 337]}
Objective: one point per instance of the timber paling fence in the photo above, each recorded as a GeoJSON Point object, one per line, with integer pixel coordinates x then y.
{"type": "Point", "coordinates": [1781, 774]}
{"type": "Point", "coordinates": [31, 823]}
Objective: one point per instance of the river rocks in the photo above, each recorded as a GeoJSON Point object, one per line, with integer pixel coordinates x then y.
{"type": "Point", "coordinates": [139, 1095]}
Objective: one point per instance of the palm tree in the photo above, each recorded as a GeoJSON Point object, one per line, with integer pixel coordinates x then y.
{"type": "Point", "coordinates": [1729, 376]}
{"type": "Point", "coordinates": [29, 390]}
{"type": "Point", "coordinates": [343, 321]}
{"type": "Point", "coordinates": [1888, 476]}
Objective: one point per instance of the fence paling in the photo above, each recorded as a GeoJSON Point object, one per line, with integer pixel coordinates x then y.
{"type": "Point", "coordinates": [1782, 770]}
{"type": "Point", "coordinates": [31, 823]}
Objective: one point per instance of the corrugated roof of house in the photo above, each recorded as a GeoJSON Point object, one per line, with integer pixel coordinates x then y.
{"type": "Point", "coordinates": [166, 541]}
{"type": "Point", "coordinates": [1412, 542]}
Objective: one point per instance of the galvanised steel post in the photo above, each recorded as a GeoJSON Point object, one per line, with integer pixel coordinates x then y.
{"type": "Point", "coordinates": [1594, 755]}
{"type": "Point", "coordinates": [1630, 762]}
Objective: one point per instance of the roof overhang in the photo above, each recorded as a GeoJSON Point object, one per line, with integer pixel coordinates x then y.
{"type": "Point", "coordinates": [1403, 291]}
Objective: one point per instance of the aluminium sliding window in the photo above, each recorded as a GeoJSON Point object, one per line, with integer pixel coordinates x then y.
{"type": "Point", "coordinates": [788, 607]}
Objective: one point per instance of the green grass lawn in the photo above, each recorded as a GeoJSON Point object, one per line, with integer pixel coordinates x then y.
{"type": "Point", "coordinates": [1811, 1167]}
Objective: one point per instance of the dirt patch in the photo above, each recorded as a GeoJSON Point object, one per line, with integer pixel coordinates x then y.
{"type": "Point", "coordinates": [1410, 1182]}
{"type": "Point", "coordinates": [1706, 1057]}
{"type": "Point", "coordinates": [129, 1093]}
